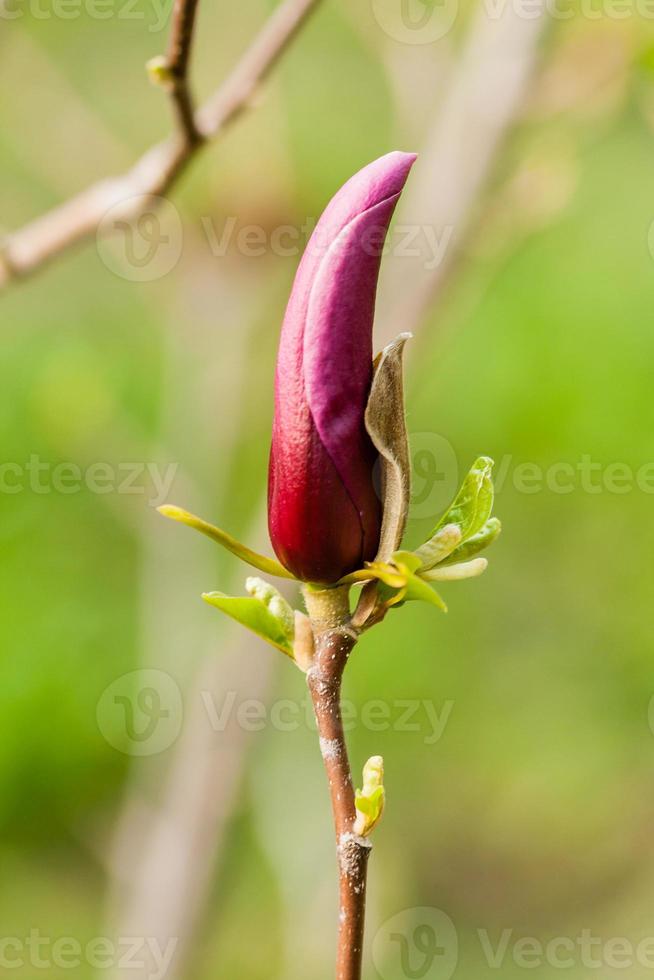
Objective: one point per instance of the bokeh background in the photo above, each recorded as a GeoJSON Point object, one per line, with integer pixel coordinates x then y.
{"type": "Point", "coordinates": [521, 788]}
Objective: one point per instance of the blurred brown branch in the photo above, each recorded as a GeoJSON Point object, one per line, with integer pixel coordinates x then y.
{"type": "Point", "coordinates": [483, 100]}
{"type": "Point", "coordinates": [24, 251]}
{"type": "Point", "coordinates": [176, 63]}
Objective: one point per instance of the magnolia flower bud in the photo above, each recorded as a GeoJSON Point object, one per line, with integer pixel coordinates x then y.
{"type": "Point", "coordinates": [324, 511]}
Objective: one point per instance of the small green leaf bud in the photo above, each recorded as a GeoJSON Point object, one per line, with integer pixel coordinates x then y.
{"type": "Point", "coordinates": [370, 800]}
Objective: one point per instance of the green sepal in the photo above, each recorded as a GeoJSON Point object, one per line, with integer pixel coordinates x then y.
{"type": "Point", "coordinates": [417, 590]}
{"type": "Point", "coordinates": [401, 583]}
{"type": "Point", "coordinates": [408, 560]}
{"type": "Point", "coordinates": [473, 503]}
{"type": "Point", "coordinates": [268, 565]}
{"type": "Point", "coordinates": [256, 616]}
{"type": "Point", "coordinates": [478, 542]}
{"type": "Point", "coordinates": [387, 573]}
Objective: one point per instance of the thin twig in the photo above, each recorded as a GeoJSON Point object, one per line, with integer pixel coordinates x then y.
{"type": "Point", "coordinates": [334, 641]}
{"type": "Point", "coordinates": [177, 62]}
{"type": "Point", "coordinates": [154, 174]}
{"type": "Point", "coordinates": [181, 36]}
{"type": "Point", "coordinates": [324, 681]}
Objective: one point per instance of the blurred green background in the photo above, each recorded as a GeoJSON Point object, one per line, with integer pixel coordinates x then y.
{"type": "Point", "coordinates": [531, 808]}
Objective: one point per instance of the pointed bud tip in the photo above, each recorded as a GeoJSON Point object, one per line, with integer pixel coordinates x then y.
{"type": "Point", "coordinates": [393, 169]}
{"type": "Point", "coordinates": [401, 160]}
{"type": "Point", "coordinates": [399, 342]}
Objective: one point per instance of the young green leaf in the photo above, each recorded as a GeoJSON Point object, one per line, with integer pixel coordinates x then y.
{"type": "Point", "coordinates": [264, 564]}
{"type": "Point", "coordinates": [485, 498]}
{"type": "Point", "coordinates": [274, 600]}
{"type": "Point", "coordinates": [482, 539]}
{"type": "Point", "coordinates": [473, 503]}
{"type": "Point", "coordinates": [440, 546]}
{"type": "Point", "coordinates": [256, 616]}
{"type": "Point", "coordinates": [453, 573]}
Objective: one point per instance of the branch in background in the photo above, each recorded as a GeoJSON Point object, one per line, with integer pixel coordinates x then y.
{"type": "Point", "coordinates": [174, 818]}
{"type": "Point", "coordinates": [483, 98]}
{"type": "Point", "coordinates": [171, 70]}
{"type": "Point", "coordinates": [154, 174]}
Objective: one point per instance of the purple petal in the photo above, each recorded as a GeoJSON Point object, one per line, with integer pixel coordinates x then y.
{"type": "Point", "coordinates": [324, 513]}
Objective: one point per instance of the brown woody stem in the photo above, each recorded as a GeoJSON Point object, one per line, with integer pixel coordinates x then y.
{"type": "Point", "coordinates": [334, 640]}
{"type": "Point", "coordinates": [177, 59]}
